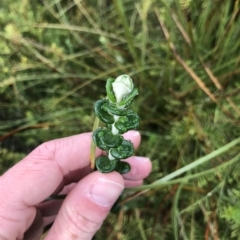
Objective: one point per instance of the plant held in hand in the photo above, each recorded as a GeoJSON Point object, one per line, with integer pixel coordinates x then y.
{"type": "Point", "coordinates": [115, 113]}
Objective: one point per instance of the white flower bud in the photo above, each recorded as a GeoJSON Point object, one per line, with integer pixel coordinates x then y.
{"type": "Point", "coordinates": [122, 86]}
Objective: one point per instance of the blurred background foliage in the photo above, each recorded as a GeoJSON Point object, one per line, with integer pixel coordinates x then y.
{"type": "Point", "coordinates": [183, 56]}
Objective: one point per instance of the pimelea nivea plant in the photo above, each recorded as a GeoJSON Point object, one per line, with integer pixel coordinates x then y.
{"type": "Point", "coordinates": [115, 113]}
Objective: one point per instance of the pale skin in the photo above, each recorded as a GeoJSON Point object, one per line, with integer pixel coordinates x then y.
{"type": "Point", "coordinates": [63, 166]}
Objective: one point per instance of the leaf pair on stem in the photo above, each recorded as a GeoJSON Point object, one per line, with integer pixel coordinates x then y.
{"type": "Point", "coordinates": [115, 113]}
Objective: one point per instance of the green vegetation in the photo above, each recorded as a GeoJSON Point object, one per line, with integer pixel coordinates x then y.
{"type": "Point", "coordinates": [184, 58]}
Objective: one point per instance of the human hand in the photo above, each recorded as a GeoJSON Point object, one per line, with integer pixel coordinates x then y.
{"type": "Point", "coordinates": [62, 166]}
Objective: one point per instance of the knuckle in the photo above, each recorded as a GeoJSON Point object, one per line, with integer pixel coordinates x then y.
{"type": "Point", "coordinates": [46, 149]}
{"type": "Point", "coordinates": [80, 223]}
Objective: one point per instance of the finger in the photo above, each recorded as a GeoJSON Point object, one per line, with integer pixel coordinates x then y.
{"type": "Point", "coordinates": [134, 137]}
{"type": "Point", "coordinates": [86, 206]}
{"type": "Point", "coordinates": [38, 175]}
{"type": "Point", "coordinates": [36, 229]}
{"type": "Point", "coordinates": [51, 207]}
{"type": "Point", "coordinates": [140, 168]}
{"type": "Point", "coordinates": [130, 183]}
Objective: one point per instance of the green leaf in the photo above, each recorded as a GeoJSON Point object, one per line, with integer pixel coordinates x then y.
{"type": "Point", "coordinates": [105, 140]}
{"type": "Point", "coordinates": [109, 89]}
{"type": "Point", "coordinates": [128, 100]}
{"type": "Point", "coordinates": [104, 165]}
{"type": "Point", "coordinates": [122, 167]}
{"type": "Point", "coordinates": [114, 110]}
{"type": "Point", "coordinates": [125, 150]}
{"type": "Point", "coordinates": [128, 122]}
{"type": "Point", "coordinates": [101, 110]}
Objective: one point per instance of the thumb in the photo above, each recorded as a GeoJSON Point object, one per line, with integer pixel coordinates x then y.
{"type": "Point", "coordinates": [86, 206]}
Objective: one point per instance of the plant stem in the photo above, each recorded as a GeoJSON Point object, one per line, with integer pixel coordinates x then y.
{"type": "Point", "coordinates": [93, 146]}
{"type": "Point", "coordinates": [166, 179]}
{"type": "Point", "coordinates": [199, 161]}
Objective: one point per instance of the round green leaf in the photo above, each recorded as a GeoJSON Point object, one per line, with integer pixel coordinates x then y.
{"type": "Point", "coordinates": [122, 167]}
{"type": "Point", "coordinates": [101, 111]}
{"type": "Point", "coordinates": [128, 122]}
{"type": "Point", "coordinates": [125, 150]}
{"type": "Point", "coordinates": [104, 165]}
{"type": "Point", "coordinates": [105, 140]}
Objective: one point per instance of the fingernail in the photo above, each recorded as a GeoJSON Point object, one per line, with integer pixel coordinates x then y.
{"type": "Point", "coordinates": [132, 133]}
{"type": "Point", "coordinates": [105, 192]}
{"type": "Point", "coordinates": [142, 159]}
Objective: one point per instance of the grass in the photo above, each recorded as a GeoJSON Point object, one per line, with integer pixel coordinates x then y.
{"type": "Point", "coordinates": [184, 58]}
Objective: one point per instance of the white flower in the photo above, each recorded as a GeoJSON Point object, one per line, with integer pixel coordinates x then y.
{"type": "Point", "coordinates": [122, 86]}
